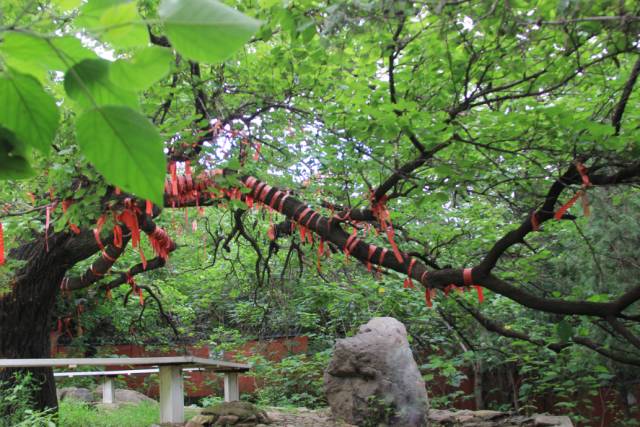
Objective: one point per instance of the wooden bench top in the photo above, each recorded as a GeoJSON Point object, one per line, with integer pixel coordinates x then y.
{"type": "Point", "coordinates": [186, 361]}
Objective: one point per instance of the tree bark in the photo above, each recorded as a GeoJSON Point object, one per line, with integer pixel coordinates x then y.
{"type": "Point", "coordinates": [27, 302]}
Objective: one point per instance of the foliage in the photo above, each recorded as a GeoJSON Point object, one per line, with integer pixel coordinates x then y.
{"type": "Point", "coordinates": [80, 414]}
{"type": "Point", "coordinates": [293, 381]}
{"type": "Point", "coordinates": [15, 402]}
{"type": "Point", "coordinates": [110, 130]}
{"type": "Point", "coordinates": [472, 111]}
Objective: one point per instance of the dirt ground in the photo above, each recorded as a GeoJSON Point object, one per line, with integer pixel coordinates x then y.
{"type": "Point", "coordinates": [303, 417]}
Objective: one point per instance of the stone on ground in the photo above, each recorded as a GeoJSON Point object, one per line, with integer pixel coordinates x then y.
{"type": "Point", "coordinates": [373, 378]}
{"type": "Point", "coordinates": [124, 395]}
{"type": "Point", "coordinates": [466, 418]}
{"type": "Point", "coordinates": [240, 414]}
{"type": "Point", "coordinates": [75, 393]}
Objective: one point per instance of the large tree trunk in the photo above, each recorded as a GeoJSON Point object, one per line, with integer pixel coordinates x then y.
{"type": "Point", "coordinates": [27, 303]}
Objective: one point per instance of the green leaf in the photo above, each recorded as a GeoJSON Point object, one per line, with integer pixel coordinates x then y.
{"type": "Point", "coordinates": [14, 163]}
{"type": "Point", "coordinates": [564, 330]}
{"type": "Point", "coordinates": [88, 83]}
{"type": "Point", "coordinates": [27, 110]}
{"type": "Point", "coordinates": [145, 68]}
{"type": "Point", "coordinates": [32, 54]}
{"type": "Point", "coordinates": [93, 10]}
{"type": "Point", "coordinates": [124, 147]}
{"type": "Point", "coordinates": [205, 30]}
{"type": "Point", "coordinates": [121, 26]}
{"type": "Point", "coordinates": [67, 4]}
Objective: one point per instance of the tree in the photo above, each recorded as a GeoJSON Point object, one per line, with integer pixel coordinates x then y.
{"type": "Point", "coordinates": [453, 130]}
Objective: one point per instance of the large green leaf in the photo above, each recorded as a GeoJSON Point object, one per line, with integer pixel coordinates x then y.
{"type": "Point", "coordinates": [32, 54]}
{"type": "Point", "coordinates": [88, 83]}
{"type": "Point", "coordinates": [121, 26]}
{"type": "Point", "coordinates": [205, 30]}
{"type": "Point", "coordinates": [145, 68]}
{"type": "Point", "coordinates": [114, 21]}
{"type": "Point", "coordinates": [27, 110]}
{"type": "Point", "coordinates": [14, 163]}
{"type": "Point", "coordinates": [124, 147]}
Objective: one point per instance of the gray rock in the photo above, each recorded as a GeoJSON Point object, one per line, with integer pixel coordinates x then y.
{"type": "Point", "coordinates": [372, 377]}
{"type": "Point", "coordinates": [75, 393]}
{"type": "Point", "coordinates": [124, 396]}
{"type": "Point", "coordinates": [466, 418]}
{"type": "Point", "coordinates": [201, 421]}
{"type": "Point", "coordinates": [550, 420]}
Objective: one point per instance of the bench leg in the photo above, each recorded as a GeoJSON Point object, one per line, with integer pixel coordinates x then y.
{"type": "Point", "coordinates": [231, 389]}
{"type": "Point", "coordinates": [108, 391]}
{"type": "Point", "coordinates": [171, 395]}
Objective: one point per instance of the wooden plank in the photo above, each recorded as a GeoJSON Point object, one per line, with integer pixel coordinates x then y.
{"type": "Point", "coordinates": [116, 372]}
{"type": "Point", "coordinates": [191, 361]}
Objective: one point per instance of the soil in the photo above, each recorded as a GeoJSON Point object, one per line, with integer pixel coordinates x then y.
{"type": "Point", "coordinates": [303, 417]}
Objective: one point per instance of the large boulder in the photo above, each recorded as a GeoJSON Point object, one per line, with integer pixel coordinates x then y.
{"type": "Point", "coordinates": [75, 393]}
{"type": "Point", "coordinates": [372, 377]}
{"type": "Point", "coordinates": [124, 395]}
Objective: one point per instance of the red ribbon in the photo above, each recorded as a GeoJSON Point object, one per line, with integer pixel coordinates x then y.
{"type": "Point", "coordinates": [383, 252]}
{"type": "Point", "coordinates": [408, 283]}
{"type": "Point", "coordinates": [427, 298]}
{"type": "Point", "coordinates": [467, 274]}
{"type": "Point", "coordinates": [372, 250]}
{"type": "Point", "coordinates": [352, 241]}
{"type": "Point", "coordinates": [96, 231]}
{"type": "Point", "coordinates": [582, 170]}
{"type": "Point", "coordinates": [149, 208]}
{"type": "Point", "coordinates": [117, 236]}
{"type": "Point", "coordinates": [130, 219]}
{"type": "Point", "coordinates": [468, 281]}
{"type": "Point", "coordinates": [535, 223]}
{"type": "Point", "coordinates": [564, 208]}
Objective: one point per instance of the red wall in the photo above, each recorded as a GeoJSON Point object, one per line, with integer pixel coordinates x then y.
{"type": "Point", "coordinates": [198, 384]}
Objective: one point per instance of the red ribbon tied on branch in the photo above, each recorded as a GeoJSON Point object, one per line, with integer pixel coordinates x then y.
{"type": "Point", "coordinates": [467, 277]}
{"type": "Point", "coordinates": [582, 193]}
{"type": "Point", "coordinates": [381, 213]}
{"type": "Point", "coordinates": [408, 283]}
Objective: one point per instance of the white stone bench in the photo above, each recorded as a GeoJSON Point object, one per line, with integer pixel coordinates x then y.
{"type": "Point", "coordinates": [170, 369]}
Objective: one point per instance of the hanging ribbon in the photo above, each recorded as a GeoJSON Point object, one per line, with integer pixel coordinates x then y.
{"type": "Point", "coordinates": [97, 230]}
{"type": "Point", "coordinates": [117, 236]}
{"type": "Point", "coordinates": [130, 219]}
{"type": "Point", "coordinates": [174, 178]}
{"type": "Point", "coordinates": [381, 213]}
{"type": "Point", "coordinates": [582, 193]}
{"type": "Point", "coordinates": [372, 250]}
{"type": "Point", "coordinates": [467, 276]}
{"type": "Point", "coordinates": [349, 245]}
{"type": "Point", "coordinates": [160, 242]}
{"type": "Point", "coordinates": [427, 298]}
{"type": "Point", "coordinates": [383, 253]}
{"type": "Point", "coordinates": [564, 208]}
{"type": "Point", "coordinates": [535, 223]}
{"type": "Point", "coordinates": [148, 208]}
{"type": "Point", "coordinates": [408, 283]}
